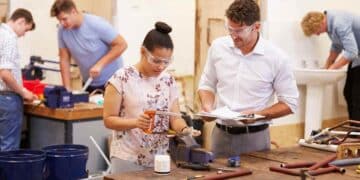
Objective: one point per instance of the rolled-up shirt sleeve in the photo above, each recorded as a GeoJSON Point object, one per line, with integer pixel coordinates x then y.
{"type": "Point", "coordinates": [336, 48]}
{"type": "Point", "coordinates": [348, 40]}
{"type": "Point", "coordinates": [208, 79]}
{"type": "Point", "coordinates": [285, 86]}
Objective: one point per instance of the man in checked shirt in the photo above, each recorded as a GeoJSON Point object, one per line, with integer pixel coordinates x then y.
{"type": "Point", "coordinates": [12, 93]}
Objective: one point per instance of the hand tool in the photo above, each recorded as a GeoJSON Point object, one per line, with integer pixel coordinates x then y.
{"type": "Point", "coordinates": [167, 113]}
{"type": "Point", "coordinates": [87, 83]}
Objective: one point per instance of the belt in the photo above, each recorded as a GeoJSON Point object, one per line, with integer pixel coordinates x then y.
{"type": "Point", "coordinates": [242, 130]}
{"type": "Point", "coordinates": [8, 93]}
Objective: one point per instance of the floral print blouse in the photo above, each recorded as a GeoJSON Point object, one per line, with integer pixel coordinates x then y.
{"type": "Point", "coordinates": [138, 94]}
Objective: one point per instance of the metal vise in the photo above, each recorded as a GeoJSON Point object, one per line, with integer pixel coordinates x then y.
{"type": "Point", "coordinates": [58, 97]}
{"type": "Point", "coordinates": [186, 150]}
{"type": "Point", "coordinates": [33, 71]}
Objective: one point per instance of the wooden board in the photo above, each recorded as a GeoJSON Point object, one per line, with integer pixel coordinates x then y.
{"type": "Point", "coordinates": [299, 154]}
{"type": "Point", "coordinates": [258, 163]}
{"type": "Point", "coordinates": [80, 111]}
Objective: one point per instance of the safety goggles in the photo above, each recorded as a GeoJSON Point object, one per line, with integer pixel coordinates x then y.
{"type": "Point", "coordinates": [238, 32]}
{"type": "Point", "coordinates": [156, 60]}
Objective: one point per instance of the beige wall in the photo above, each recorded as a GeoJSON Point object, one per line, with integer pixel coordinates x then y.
{"type": "Point", "coordinates": [43, 41]}
{"type": "Point", "coordinates": [134, 18]}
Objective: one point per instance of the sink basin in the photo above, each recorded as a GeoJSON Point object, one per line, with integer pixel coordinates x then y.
{"type": "Point", "coordinates": [305, 76]}
{"type": "Point", "coordinates": [315, 81]}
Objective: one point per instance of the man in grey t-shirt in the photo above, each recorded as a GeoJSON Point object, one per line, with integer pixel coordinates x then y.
{"type": "Point", "coordinates": [93, 43]}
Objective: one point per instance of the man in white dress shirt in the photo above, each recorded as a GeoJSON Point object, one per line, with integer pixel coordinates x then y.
{"type": "Point", "coordinates": [243, 71]}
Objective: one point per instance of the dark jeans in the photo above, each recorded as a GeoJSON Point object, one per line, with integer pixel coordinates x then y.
{"type": "Point", "coordinates": [11, 115]}
{"type": "Point", "coordinates": [352, 92]}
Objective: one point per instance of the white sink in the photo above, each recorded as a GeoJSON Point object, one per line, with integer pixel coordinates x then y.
{"type": "Point", "coordinates": [315, 81]}
{"type": "Point", "coordinates": [318, 76]}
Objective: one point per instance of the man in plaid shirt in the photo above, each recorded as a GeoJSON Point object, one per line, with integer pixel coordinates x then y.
{"type": "Point", "coordinates": [12, 93]}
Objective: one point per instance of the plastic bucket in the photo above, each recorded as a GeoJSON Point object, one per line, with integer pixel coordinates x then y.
{"type": "Point", "coordinates": [66, 161]}
{"type": "Point", "coordinates": [22, 165]}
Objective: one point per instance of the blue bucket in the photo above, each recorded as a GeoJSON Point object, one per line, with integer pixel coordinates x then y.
{"type": "Point", "coordinates": [66, 162]}
{"type": "Point", "coordinates": [22, 164]}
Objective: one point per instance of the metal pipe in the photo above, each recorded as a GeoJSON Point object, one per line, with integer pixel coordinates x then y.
{"type": "Point", "coordinates": [241, 172]}
{"type": "Point", "coordinates": [284, 171]}
{"type": "Point", "coordinates": [311, 138]}
{"type": "Point", "coordinates": [327, 170]}
{"type": "Point", "coordinates": [346, 162]}
{"type": "Point", "coordinates": [351, 127]}
{"type": "Point", "coordinates": [167, 113]}
{"type": "Point", "coordinates": [297, 165]}
{"type": "Point", "coordinates": [344, 133]}
{"type": "Point", "coordinates": [323, 162]}
{"type": "Point", "coordinates": [343, 123]}
{"type": "Point", "coordinates": [326, 147]}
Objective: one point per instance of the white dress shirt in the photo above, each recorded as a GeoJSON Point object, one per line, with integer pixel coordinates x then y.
{"type": "Point", "coordinates": [9, 55]}
{"type": "Point", "coordinates": [248, 82]}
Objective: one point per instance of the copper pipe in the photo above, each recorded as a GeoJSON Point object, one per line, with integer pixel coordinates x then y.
{"type": "Point", "coordinates": [297, 165]}
{"type": "Point", "coordinates": [323, 162]}
{"type": "Point", "coordinates": [327, 170]}
{"type": "Point", "coordinates": [284, 171]}
{"type": "Point", "coordinates": [351, 127]}
{"type": "Point", "coordinates": [338, 125]}
{"type": "Point", "coordinates": [237, 173]}
{"type": "Point", "coordinates": [345, 122]}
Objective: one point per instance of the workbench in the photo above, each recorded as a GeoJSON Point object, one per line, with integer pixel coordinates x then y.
{"type": "Point", "coordinates": [257, 162]}
{"type": "Point", "coordinates": [69, 126]}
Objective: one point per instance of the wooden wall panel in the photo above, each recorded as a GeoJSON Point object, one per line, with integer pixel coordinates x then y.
{"type": "Point", "coordinates": [3, 10]}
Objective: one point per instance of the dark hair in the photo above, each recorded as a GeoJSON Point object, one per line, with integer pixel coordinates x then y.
{"type": "Point", "coordinates": [243, 11]}
{"type": "Point", "coordinates": [158, 37]}
{"type": "Point", "coordinates": [23, 13]}
{"type": "Point", "coordinates": [61, 6]}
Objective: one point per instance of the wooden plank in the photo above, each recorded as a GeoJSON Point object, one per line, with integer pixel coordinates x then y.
{"type": "Point", "coordinates": [258, 163]}
{"type": "Point", "coordinates": [300, 154]}
{"type": "Point", "coordinates": [81, 111]}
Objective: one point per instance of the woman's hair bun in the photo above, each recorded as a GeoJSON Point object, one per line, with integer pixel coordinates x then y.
{"type": "Point", "coordinates": [163, 27]}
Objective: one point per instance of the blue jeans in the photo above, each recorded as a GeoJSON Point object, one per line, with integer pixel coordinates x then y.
{"type": "Point", "coordinates": [11, 115]}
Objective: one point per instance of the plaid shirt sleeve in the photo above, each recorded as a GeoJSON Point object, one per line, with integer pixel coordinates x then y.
{"type": "Point", "coordinates": [8, 52]}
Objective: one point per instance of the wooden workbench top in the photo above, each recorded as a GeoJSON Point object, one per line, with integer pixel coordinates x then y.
{"type": "Point", "coordinates": [258, 163]}
{"type": "Point", "coordinates": [80, 111]}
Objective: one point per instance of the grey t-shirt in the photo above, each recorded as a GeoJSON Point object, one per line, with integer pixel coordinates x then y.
{"type": "Point", "coordinates": [88, 43]}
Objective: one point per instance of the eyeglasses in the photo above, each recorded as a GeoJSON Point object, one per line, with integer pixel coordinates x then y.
{"type": "Point", "coordinates": [238, 32]}
{"type": "Point", "coordinates": [156, 60]}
